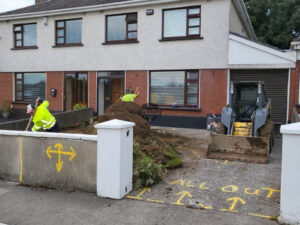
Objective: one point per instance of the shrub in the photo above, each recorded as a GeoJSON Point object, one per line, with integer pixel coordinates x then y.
{"type": "Point", "coordinates": [79, 106]}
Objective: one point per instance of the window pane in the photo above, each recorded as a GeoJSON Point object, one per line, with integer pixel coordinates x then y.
{"type": "Point", "coordinates": [60, 33]}
{"type": "Point", "coordinates": [19, 76]}
{"type": "Point", "coordinates": [175, 23]}
{"type": "Point", "coordinates": [19, 85]}
{"type": "Point", "coordinates": [132, 27]}
{"type": "Point", "coordinates": [194, 31]}
{"type": "Point", "coordinates": [18, 28]}
{"type": "Point", "coordinates": [60, 40]}
{"type": "Point", "coordinates": [192, 88]}
{"type": "Point", "coordinates": [30, 35]}
{"type": "Point", "coordinates": [167, 88]}
{"type": "Point", "coordinates": [73, 31]}
{"type": "Point", "coordinates": [18, 36]}
{"type": "Point", "coordinates": [194, 11]}
{"type": "Point", "coordinates": [132, 35]}
{"type": "Point", "coordinates": [116, 28]}
{"type": "Point", "coordinates": [192, 100]}
{"type": "Point", "coordinates": [131, 18]}
{"type": "Point", "coordinates": [34, 86]}
{"type": "Point", "coordinates": [61, 24]}
{"type": "Point", "coordinates": [194, 75]}
{"type": "Point", "coordinates": [194, 22]}
{"type": "Point", "coordinates": [18, 43]}
{"type": "Point", "coordinates": [18, 95]}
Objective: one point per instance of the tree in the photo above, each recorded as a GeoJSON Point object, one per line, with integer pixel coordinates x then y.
{"type": "Point", "coordinates": [276, 22]}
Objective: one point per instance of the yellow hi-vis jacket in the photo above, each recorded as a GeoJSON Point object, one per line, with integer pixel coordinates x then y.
{"type": "Point", "coordinates": [43, 119]}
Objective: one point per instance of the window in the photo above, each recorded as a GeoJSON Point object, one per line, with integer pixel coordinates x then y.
{"type": "Point", "coordinates": [25, 35]}
{"type": "Point", "coordinates": [175, 88]}
{"type": "Point", "coordinates": [68, 32]}
{"type": "Point", "coordinates": [121, 28]}
{"type": "Point", "coordinates": [29, 86]}
{"type": "Point", "coordinates": [182, 23]}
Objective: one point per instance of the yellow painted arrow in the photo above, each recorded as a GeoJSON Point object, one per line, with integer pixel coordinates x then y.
{"type": "Point", "coordinates": [60, 152]}
{"type": "Point", "coordinates": [234, 200]}
{"type": "Point", "coordinates": [182, 195]}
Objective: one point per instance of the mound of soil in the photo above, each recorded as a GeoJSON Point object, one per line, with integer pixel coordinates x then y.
{"type": "Point", "coordinates": [127, 111]}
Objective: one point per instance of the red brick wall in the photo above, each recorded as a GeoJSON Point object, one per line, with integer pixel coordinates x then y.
{"type": "Point", "coordinates": [138, 79]}
{"type": "Point", "coordinates": [213, 94]}
{"type": "Point", "coordinates": [294, 88]}
{"type": "Point", "coordinates": [6, 87]}
{"type": "Point", "coordinates": [92, 95]}
{"type": "Point", "coordinates": [55, 80]}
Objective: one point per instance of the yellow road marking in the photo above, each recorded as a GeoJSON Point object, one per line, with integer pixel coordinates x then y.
{"type": "Point", "coordinates": [155, 201]}
{"type": "Point", "coordinates": [271, 191]}
{"type": "Point", "coordinates": [182, 195]}
{"type": "Point", "coordinates": [234, 200]}
{"type": "Point", "coordinates": [230, 188]}
{"type": "Point", "coordinates": [259, 215]}
{"type": "Point", "coordinates": [138, 197]}
{"type": "Point", "coordinates": [202, 186]}
{"type": "Point", "coordinates": [178, 181]}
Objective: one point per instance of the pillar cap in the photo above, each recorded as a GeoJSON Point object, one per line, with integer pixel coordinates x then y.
{"type": "Point", "coordinates": [293, 128]}
{"type": "Point", "coordinates": [114, 124]}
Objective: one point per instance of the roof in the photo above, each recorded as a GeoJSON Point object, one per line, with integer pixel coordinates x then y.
{"type": "Point", "coordinates": [297, 39]}
{"type": "Point", "coordinates": [59, 4]}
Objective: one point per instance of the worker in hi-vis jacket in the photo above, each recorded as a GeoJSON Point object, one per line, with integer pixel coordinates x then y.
{"type": "Point", "coordinates": [42, 118]}
{"type": "Point", "coordinates": [130, 95]}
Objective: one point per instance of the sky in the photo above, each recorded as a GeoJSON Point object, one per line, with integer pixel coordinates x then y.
{"type": "Point", "coordinates": [7, 5]}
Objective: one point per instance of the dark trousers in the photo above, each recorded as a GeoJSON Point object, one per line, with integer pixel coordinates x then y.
{"type": "Point", "coordinates": [55, 128]}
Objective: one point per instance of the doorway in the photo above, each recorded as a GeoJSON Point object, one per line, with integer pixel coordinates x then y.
{"type": "Point", "coordinates": [76, 89]}
{"type": "Point", "coordinates": [110, 89]}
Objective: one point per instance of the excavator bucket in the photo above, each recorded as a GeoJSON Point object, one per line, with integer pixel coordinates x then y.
{"type": "Point", "coordinates": [239, 148]}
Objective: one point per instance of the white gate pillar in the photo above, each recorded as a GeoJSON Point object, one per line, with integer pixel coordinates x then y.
{"type": "Point", "coordinates": [114, 158]}
{"type": "Point", "coordinates": [290, 177]}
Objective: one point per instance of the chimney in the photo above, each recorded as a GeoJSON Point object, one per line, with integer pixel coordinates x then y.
{"type": "Point", "coordinates": [41, 1]}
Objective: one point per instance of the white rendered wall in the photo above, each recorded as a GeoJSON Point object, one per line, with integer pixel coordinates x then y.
{"type": "Point", "coordinates": [148, 54]}
{"type": "Point", "coordinates": [235, 23]}
{"type": "Point", "coordinates": [245, 54]}
{"type": "Point", "coordinates": [290, 182]}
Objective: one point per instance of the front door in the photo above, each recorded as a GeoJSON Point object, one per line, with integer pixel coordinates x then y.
{"type": "Point", "coordinates": [76, 90]}
{"type": "Point", "coordinates": [110, 91]}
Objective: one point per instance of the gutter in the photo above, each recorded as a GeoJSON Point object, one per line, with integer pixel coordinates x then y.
{"type": "Point", "coordinates": [242, 9]}
{"type": "Point", "coordinates": [93, 8]}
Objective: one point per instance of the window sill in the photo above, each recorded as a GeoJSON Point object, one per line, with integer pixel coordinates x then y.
{"type": "Point", "coordinates": [120, 42]}
{"type": "Point", "coordinates": [181, 39]}
{"type": "Point", "coordinates": [67, 45]}
{"type": "Point", "coordinates": [25, 48]}
{"type": "Point", "coordinates": [179, 108]}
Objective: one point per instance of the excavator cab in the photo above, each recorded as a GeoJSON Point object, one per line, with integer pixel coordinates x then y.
{"type": "Point", "coordinates": [248, 108]}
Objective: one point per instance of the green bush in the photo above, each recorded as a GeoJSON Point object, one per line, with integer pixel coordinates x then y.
{"type": "Point", "coordinates": [146, 171]}
{"type": "Point", "coordinates": [79, 106]}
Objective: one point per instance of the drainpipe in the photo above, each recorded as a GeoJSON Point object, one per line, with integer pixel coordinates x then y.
{"type": "Point", "coordinates": [295, 45]}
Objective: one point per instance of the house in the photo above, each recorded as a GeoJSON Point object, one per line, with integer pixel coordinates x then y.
{"type": "Point", "coordinates": [182, 55]}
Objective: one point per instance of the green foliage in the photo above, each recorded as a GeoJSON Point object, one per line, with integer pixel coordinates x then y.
{"type": "Point", "coordinates": [174, 163]}
{"type": "Point", "coordinates": [146, 171]}
{"type": "Point", "coordinates": [276, 22]}
{"type": "Point", "coordinates": [7, 106]}
{"type": "Point", "coordinates": [149, 168]}
{"type": "Point", "coordinates": [79, 106]}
